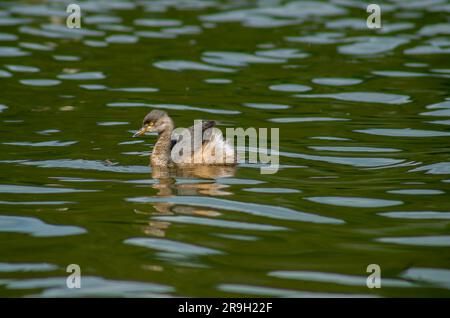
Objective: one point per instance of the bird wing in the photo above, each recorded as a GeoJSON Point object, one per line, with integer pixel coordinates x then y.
{"type": "Point", "coordinates": [205, 136]}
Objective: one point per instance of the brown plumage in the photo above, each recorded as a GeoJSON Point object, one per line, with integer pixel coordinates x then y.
{"type": "Point", "coordinates": [197, 145]}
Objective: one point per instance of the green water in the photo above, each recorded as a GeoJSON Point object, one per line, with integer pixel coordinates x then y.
{"type": "Point", "coordinates": [363, 117]}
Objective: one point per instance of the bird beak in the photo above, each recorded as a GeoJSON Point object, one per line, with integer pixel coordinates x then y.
{"type": "Point", "coordinates": [143, 130]}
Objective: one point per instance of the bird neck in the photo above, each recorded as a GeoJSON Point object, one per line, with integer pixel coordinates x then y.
{"type": "Point", "coordinates": [161, 151]}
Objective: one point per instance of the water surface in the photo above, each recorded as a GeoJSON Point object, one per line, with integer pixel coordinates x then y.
{"type": "Point", "coordinates": [364, 149]}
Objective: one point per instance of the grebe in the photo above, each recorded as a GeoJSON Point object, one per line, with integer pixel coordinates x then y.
{"type": "Point", "coordinates": [210, 148]}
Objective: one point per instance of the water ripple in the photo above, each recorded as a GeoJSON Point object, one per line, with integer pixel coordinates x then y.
{"type": "Point", "coordinates": [40, 82]}
{"type": "Point", "coordinates": [403, 132]}
{"type": "Point", "coordinates": [92, 287]}
{"type": "Point", "coordinates": [352, 161]}
{"type": "Point", "coordinates": [416, 191]}
{"type": "Point", "coordinates": [278, 292]}
{"type": "Point", "coordinates": [36, 227]}
{"type": "Point", "coordinates": [82, 76]}
{"type": "Point", "coordinates": [39, 203]}
{"type": "Point", "coordinates": [157, 22]}
{"type": "Point", "coordinates": [366, 97]}
{"type": "Point", "coordinates": [22, 68]}
{"type": "Point", "coordinates": [435, 168]}
{"type": "Point", "coordinates": [419, 215]}
{"type": "Point", "coordinates": [370, 45]}
{"type": "Point", "coordinates": [353, 149]}
{"type": "Point", "coordinates": [178, 65]}
{"type": "Point", "coordinates": [171, 246]}
{"type": "Point", "coordinates": [437, 241]}
{"type": "Point", "coordinates": [271, 190]}
{"type": "Point", "coordinates": [334, 278]}
{"type": "Point", "coordinates": [436, 276]}
{"type": "Point", "coordinates": [333, 81]}
{"type": "Point", "coordinates": [10, 188]}
{"type": "Point", "coordinates": [53, 143]}
{"type": "Point", "coordinates": [266, 106]}
{"type": "Point", "coordinates": [26, 267]}
{"type": "Point", "coordinates": [354, 202]}
{"type": "Point", "coordinates": [237, 59]}
{"type": "Point", "coordinates": [219, 223]}
{"type": "Point", "coordinates": [269, 211]}
{"type": "Point", "coordinates": [175, 107]}
{"type": "Point", "coordinates": [86, 165]}
{"type": "Point", "coordinates": [290, 88]}
{"type": "Point", "coordinates": [8, 51]}
{"type": "Point", "coordinates": [305, 119]}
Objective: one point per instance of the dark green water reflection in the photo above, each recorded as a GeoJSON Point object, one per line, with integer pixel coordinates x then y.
{"type": "Point", "coordinates": [364, 148]}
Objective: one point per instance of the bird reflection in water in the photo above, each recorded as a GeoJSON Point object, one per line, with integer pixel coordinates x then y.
{"type": "Point", "coordinates": [186, 181]}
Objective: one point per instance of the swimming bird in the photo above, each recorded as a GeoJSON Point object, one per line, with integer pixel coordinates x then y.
{"type": "Point", "coordinates": [201, 144]}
